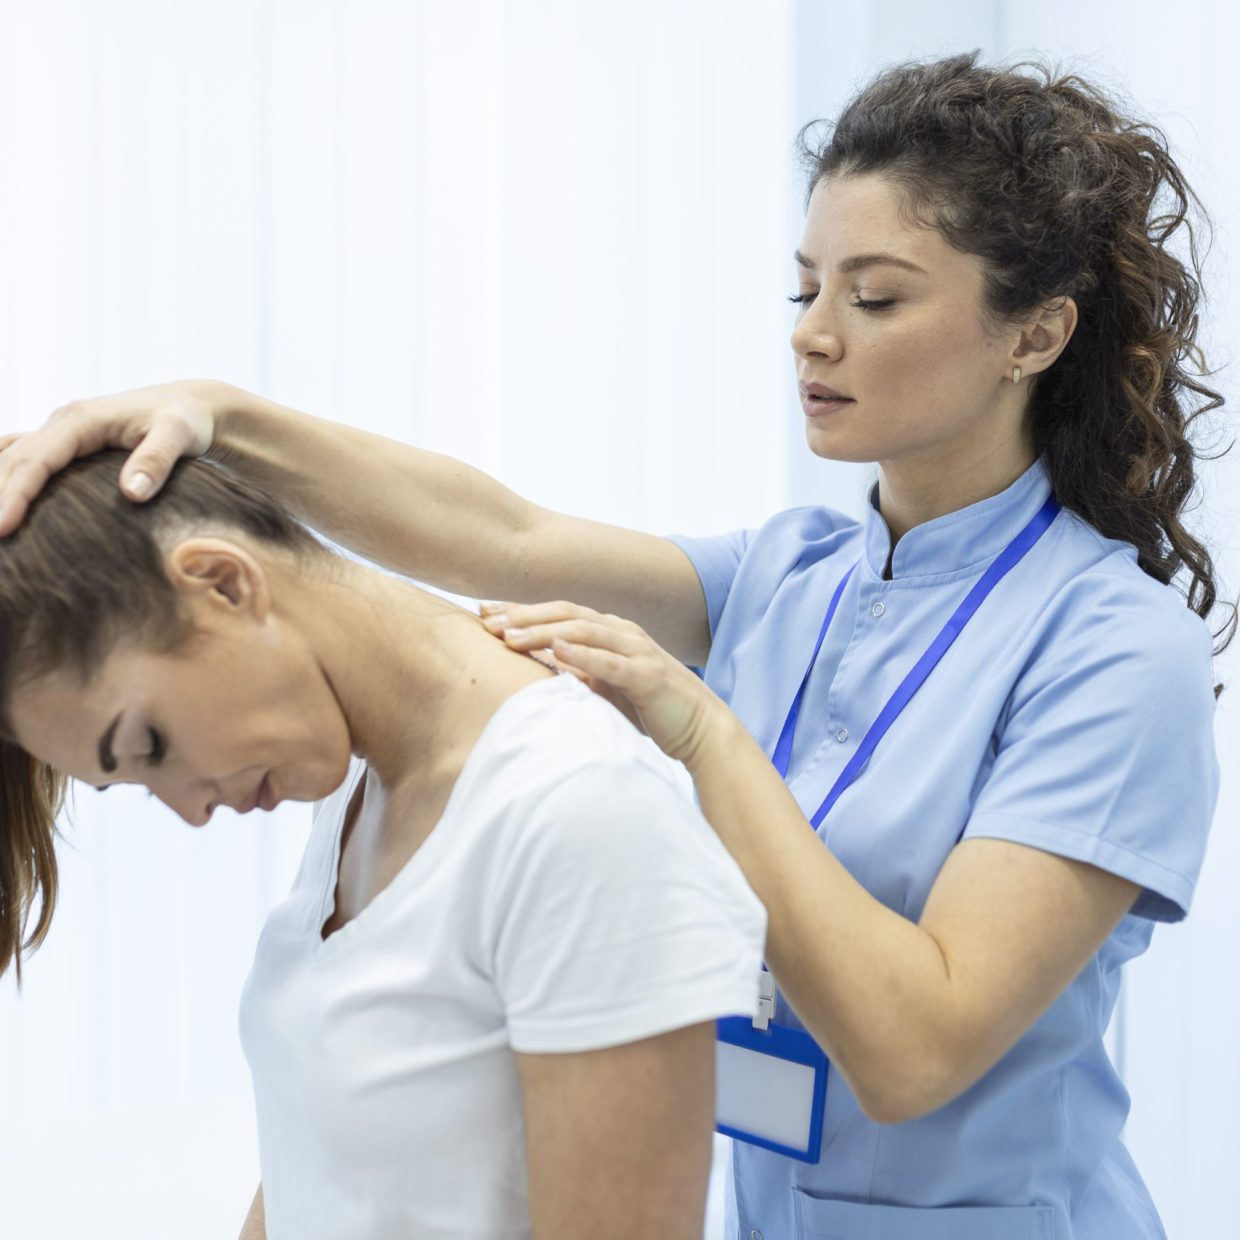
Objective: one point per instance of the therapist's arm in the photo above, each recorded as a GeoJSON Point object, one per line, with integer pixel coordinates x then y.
{"type": "Point", "coordinates": [255, 1225]}
{"type": "Point", "coordinates": [911, 1014]}
{"type": "Point", "coordinates": [619, 1141]}
{"type": "Point", "coordinates": [421, 514]}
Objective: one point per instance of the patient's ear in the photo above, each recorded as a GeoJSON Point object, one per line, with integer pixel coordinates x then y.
{"type": "Point", "coordinates": [215, 572]}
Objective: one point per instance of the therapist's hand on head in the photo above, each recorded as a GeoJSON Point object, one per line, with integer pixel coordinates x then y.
{"type": "Point", "coordinates": [621, 662]}
{"type": "Point", "coordinates": [161, 424]}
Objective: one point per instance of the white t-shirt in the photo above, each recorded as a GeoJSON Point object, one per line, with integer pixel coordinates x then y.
{"type": "Point", "coordinates": [571, 897]}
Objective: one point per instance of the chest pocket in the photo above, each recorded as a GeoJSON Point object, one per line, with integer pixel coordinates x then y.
{"type": "Point", "coordinates": [820, 1218]}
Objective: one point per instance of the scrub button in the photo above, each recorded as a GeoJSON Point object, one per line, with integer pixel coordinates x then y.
{"type": "Point", "coordinates": [842, 735]}
{"type": "Point", "coordinates": [878, 609]}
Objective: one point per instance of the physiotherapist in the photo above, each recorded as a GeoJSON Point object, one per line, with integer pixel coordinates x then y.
{"type": "Point", "coordinates": [962, 749]}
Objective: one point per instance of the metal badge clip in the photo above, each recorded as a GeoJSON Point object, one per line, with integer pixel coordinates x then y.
{"type": "Point", "coordinates": [766, 1001]}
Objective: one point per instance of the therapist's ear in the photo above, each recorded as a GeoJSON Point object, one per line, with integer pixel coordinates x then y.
{"type": "Point", "coordinates": [220, 575]}
{"type": "Point", "coordinates": [1043, 336]}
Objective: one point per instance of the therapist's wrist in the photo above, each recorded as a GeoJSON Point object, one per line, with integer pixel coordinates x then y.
{"type": "Point", "coordinates": [719, 737]}
{"type": "Point", "coordinates": [254, 437]}
{"type": "Point", "coordinates": [236, 413]}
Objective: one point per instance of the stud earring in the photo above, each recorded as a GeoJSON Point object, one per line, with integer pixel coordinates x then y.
{"type": "Point", "coordinates": [1015, 374]}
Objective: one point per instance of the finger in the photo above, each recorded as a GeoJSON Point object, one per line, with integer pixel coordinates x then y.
{"type": "Point", "coordinates": [7, 441]}
{"type": "Point", "coordinates": [549, 661]}
{"type": "Point", "coordinates": [34, 458]}
{"type": "Point", "coordinates": [596, 633]}
{"type": "Point", "coordinates": [152, 460]}
{"type": "Point", "coordinates": [23, 479]}
{"type": "Point", "coordinates": [48, 449]}
{"type": "Point", "coordinates": [612, 669]}
{"type": "Point", "coordinates": [497, 616]}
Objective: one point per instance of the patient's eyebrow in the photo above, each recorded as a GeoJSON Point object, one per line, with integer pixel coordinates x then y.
{"type": "Point", "coordinates": [107, 759]}
{"type": "Point", "coordinates": [857, 261]}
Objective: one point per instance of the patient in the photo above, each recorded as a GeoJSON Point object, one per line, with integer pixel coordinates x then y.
{"type": "Point", "coordinates": [486, 1007]}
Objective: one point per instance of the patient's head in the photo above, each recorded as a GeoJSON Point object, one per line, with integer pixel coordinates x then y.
{"type": "Point", "coordinates": [155, 644]}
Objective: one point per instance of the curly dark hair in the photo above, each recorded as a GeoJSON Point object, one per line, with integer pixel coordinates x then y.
{"type": "Point", "coordinates": [1060, 193]}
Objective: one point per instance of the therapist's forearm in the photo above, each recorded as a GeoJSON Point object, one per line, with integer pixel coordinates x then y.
{"type": "Point", "coordinates": [421, 514]}
{"type": "Point", "coordinates": [870, 986]}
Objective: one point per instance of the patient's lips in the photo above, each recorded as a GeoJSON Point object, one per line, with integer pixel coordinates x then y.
{"type": "Point", "coordinates": [267, 798]}
{"type": "Point", "coordinates": [253, 800]}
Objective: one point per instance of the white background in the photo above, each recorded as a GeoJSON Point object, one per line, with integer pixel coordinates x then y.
{"type": "Point", "coordinates": [549, 237]}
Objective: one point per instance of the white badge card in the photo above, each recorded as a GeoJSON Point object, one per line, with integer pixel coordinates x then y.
{"type": "Point", "coordinates": [771, 1087]}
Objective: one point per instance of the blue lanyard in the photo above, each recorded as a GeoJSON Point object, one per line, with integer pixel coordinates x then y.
{"type": "Point", "coordinates": [1011, 555]}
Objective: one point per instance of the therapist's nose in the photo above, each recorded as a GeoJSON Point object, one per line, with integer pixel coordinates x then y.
{"type": "Point", "coordinates": [816, 334]}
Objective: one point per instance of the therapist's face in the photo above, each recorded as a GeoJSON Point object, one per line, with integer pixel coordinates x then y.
{"type": "Point", "coordinates": [202, 727]}
{"type": "Point", "coordinates": [924, 371]}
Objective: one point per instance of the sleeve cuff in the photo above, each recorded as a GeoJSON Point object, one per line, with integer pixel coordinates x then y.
{"type": "Point", "coordinates": [1166, 894]}
{"type": "Point", "coordinates": [715, 566]}
{"type": "Point", "coordinates": [737, 996]}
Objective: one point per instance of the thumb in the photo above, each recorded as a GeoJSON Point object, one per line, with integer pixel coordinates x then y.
{"type": "Point", "coordinates": [150, 463]}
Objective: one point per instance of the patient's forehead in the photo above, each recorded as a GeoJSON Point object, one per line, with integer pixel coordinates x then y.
{"type": "Point", "coordinates": [60, 719]}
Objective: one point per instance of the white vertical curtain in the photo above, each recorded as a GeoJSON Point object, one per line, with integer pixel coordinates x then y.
{"type": "Point", "coordinates": [551, 239]}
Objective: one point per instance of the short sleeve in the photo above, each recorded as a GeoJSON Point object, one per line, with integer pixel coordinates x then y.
{"type": "Point", "coordinates": [716, 560]}
{"type": "Point", "coordinates": [1107, 755]}
{"type": "Point", "coordinates": [621, 916]}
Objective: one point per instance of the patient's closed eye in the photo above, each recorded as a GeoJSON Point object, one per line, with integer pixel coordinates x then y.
{"type": "Point", "coordinates": [157, 748]}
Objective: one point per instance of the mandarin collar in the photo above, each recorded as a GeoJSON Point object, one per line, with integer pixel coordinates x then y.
{"type": "Point", "coordinates": [958, 539]}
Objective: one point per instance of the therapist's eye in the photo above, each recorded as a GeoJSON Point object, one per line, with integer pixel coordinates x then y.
{"type": "Point", "coordinates": [862, 304]}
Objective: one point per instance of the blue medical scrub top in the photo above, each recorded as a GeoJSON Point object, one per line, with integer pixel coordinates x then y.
{"type": "Point", "coordinates": [1074, 714]}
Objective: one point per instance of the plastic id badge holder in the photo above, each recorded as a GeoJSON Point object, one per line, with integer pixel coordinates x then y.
{"type": "Point", "coordinates": [770, 1082]}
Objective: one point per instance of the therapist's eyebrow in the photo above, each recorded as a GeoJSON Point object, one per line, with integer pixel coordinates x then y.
{"type": "Point", "coordinates": [857, 261]}
{"type": "Point", "coordinates": [107, 759]}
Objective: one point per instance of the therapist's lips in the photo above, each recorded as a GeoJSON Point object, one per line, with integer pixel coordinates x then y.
{"type": "Point", "coordinates": [817, 398]}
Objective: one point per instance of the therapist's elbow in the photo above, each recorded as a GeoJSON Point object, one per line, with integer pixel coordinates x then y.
{"type": "Point", "coordinates": [889, 1106]}
{"type": "Point", "coordinates": [892, 1108]}
{"type": "Point", "coordinates": [897, 1093]}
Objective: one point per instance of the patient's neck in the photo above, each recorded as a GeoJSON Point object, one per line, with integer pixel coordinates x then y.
{"type": "Point", "coordinates": [417, 677]}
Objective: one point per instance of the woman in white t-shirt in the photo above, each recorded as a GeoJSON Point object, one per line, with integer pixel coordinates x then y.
{"type": "Point", "coordinates": [486, 1008]}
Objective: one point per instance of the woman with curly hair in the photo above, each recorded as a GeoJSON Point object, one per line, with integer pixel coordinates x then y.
{"type": "Point", "coordinates": [962, 748]}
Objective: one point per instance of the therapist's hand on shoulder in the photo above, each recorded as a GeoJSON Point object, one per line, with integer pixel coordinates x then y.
{"type": "Point", "coordinates": [160, 424]}
{"type": "Point", "coordinates": [621, 662]}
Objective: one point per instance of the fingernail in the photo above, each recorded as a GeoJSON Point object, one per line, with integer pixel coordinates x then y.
{"type": "Point", "coordinates": [514, 634]}
{"type": "Point", "coordinates": [498, 621]}
{"type": "Point", "coordinates": [140, 486]}
{"type": "Point", "coordinates": [487, 608]}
